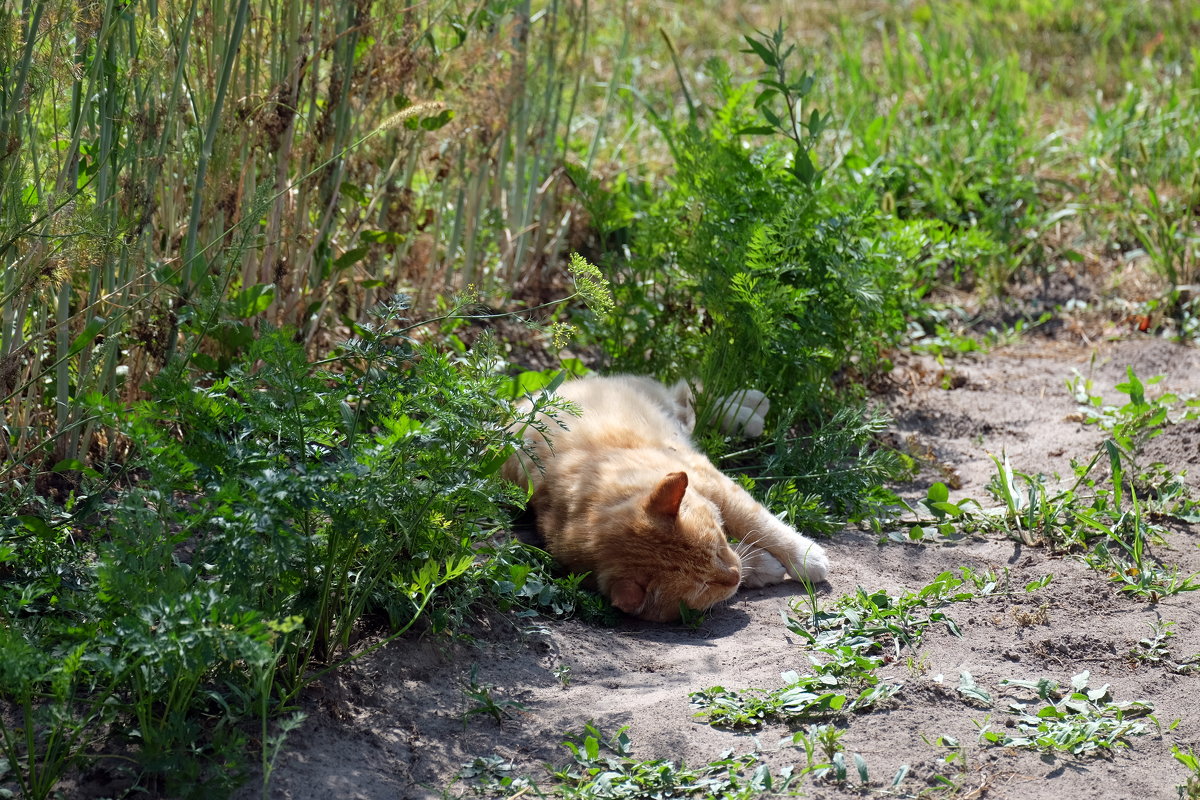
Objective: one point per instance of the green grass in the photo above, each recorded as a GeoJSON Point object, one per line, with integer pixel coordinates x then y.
{"type": "Point", "coordinates": [184, 177]}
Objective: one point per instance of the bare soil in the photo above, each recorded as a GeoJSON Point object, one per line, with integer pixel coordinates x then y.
{"type": "Point", "coordinates": [391, 725]}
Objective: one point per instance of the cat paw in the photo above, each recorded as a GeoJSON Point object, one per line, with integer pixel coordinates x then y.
{"type": "Point", "coordinates": [804, 559]}
{"type": "Point", "coordinates": [760, 568]}
{"type": "Point", "coordinates": [744, 413]}
{"type": "Point", "coordinates": [807, 561]}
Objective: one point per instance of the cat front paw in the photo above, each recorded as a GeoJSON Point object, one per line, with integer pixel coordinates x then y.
{"type": "Point", "coordinates": [760, 568]}
{"type": "Point", "coordinates": [806, 560]}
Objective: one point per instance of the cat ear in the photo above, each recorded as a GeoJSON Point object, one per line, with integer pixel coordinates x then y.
{"type": "Point", "coordinates": [667, 496]}
{"type": "Point", "coordinates": [627, 595]}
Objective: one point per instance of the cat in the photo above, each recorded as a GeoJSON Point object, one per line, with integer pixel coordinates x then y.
{"type": "Point", "coordinates": [621, 493]}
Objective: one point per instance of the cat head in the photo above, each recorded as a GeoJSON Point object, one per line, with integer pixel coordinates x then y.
{"type": "Point", "coordinates": [669, 551]}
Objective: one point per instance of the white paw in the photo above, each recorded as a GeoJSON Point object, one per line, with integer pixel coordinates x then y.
{"type": "Point", "coordinates": [760, 568]}
{"type": "Point", "coordinates": [744, 413]}
{"type": "Point", "coordinates": [806, 560]}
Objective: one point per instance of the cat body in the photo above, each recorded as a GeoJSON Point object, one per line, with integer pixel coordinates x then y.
{"type": "Point", "coordinates": [622, 494]}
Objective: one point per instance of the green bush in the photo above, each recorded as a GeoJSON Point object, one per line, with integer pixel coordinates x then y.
{"type": "Point", "coordinates": [275, 513]}
{"type": "Point", "coordinates": [756, 269]}
{"type": "Point", "coordinates": [752, 268]}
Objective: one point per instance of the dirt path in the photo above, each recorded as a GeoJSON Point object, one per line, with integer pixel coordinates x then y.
{"type": "Point", "coordinates": [392, 724]}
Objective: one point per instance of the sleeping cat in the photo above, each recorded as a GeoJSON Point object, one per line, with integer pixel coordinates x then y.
{"type": "Point", "coordinates": [623, 495]}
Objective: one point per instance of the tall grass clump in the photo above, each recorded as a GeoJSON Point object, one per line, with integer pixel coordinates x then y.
{"type": "Point", "coordinates": [1071, 142]}
{"type": "Point", "coordinates": [1144, 149]}
{"type": "Point", "coordinates": [174, 177]}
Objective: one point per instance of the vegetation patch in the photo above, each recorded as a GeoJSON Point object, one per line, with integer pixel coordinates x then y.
{"type": "Point", "coordinates": [272, 274]}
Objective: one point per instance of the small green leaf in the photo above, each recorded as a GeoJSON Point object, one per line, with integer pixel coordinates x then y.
{"type": "Point", "coordinates": [948, 508]}
{"type": "Point", "coordinates": [252, 300]}
{"type": "Point", "coordinates": [351, 256]}
{"type": "Point", "coordinates": [762, 51]}
{"type": "Point", "coordinates": [803, 168]}
{"type": "Point", "coordinates": [439, 120]}
{"type": "Point", "coordinates": [1034, 585]}
{"type": "Point", "coordinates": [90, 331]}
{"type": "Point", "coordinates": [861, 764]}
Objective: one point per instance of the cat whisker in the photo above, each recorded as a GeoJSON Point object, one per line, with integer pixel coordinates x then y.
{"type": "Point", "coordinates": [741, 548]}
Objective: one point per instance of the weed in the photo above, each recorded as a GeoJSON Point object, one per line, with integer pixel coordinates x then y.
{"type": "Point", "coordinates": [562, 674]}
{"type": "Point", "coordinates": [955, 758]}
{"type": "Point", "coordinates": [603, 767]}
{"type": "Point", "coordinates": [931, 333]}
{"type": "Point", "coordinates": [972, 691]}
{"type": "Point", "coordinates": [881, 623]}
{"type": "Point", "coordinates": [518, 577]}
{"type": "Point", "coordinates": [690, 617]}
{"type": "Point", "coordinates": [280, 508]}
{"type": "Point", "coordinates": [1155, 650]}
{"type": "Point", "coordinates": [482, 699]}
{"type": "Point", "coordinates": [1082, 721]}
{"type": "Point", "coordinates": [851, 642]}
{"type": "Point", "coordinates": [1190, 790]}
{"type": "Point", "coordinates": [1135, 422]}
{"type": "Point", "coordinates": [1115, 521]}
{"type": "Point", "coordinates": [821, 744]}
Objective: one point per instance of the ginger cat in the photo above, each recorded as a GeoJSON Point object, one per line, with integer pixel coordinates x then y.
{"type": "Point", "coordinates": [623, 495]}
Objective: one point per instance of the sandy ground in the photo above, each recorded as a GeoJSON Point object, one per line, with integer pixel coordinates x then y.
{"type": "Point", "coordinates": [392, 724]}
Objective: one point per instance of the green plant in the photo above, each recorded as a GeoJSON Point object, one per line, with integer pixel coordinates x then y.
{"type": "Point", "coordinates": [748, 271]}
{"type": "Point", "coordinates": [845, 683]}
{"type": "Point", "coordinates": [851, 642]}
{"type": "Point", "coordinates": [54, 727]}
{"type": "Point", "coordinates": [821, 744]}
{"type": "Point", "coordinates": [1190, 790]}
{"type": "Point", "coordinates": [316, 174]}
{"type": "Point", "coordinates": [277, 509]}
{"type": "Point", "coordinates": [1155, 650]}
{"type": "Point", "coordinates": [955, 758]}
{"type": "Point", "coordinates": [518, 577]}
{"type": "Point", "coordinates": [1115, 517]}
{"type": "Point", "coordinates": [972, 691]}
{"type": "Point", "coordinates": [1131, 567]}
{"type": "Point", "coordinates": [1133, 424]}
{"type": "Point", "coordinates": [881, 623]}
{"type": "Point", "coordinates": [945, 332]}
{"type": "Point", "coordinates": [482, 699]}
{"type": "Point", "coordinates": [603, 767]}
{"type": "Point", "coordinates": [562, 674]}
{"type": "Point", "coordinates": [1082, 721]}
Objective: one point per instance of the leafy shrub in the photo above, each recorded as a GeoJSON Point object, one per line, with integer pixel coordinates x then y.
{"type": "Point", "coordinates": [279, 510]}
{"type": "Point", "coordinates": [754, 269]}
